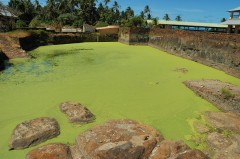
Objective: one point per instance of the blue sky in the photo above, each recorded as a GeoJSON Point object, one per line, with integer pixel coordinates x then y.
{"type": "Point", "coordinates": [190, 10]}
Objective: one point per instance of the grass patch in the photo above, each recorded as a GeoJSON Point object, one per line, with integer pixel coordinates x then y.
{"type": "Point", "coordinates": [227, 94]}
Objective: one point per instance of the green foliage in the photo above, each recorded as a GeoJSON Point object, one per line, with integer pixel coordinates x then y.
{"type": "Point", "coordinates": [223, 19]}
{"type": "Point", "coordinates": [101, 24]}
{"type": "Point", "coordinates": [178, 18]}
{"type": "Point", "coordinates": [76, 13]}
{"type": "Point", "coordinates": [137, 21]}
{"type": "Point", "coordinates": [35, 23]}
{"type": "Point", "coordinates": [78, 23]}
{"type": "Point", "coordinates": [166, 17]}
{"type": "Point", "coordinates": [67, 19]}
{"type": "Point", "coordinates": [20, 24]}
{"type": "Point", "coordinates": [227, 94]}
{"type": "Point", "coordinates": [39, 34]}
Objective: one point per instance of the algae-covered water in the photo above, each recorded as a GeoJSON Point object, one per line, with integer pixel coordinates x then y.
{"type": "Point", "coordinates": [113, 80]}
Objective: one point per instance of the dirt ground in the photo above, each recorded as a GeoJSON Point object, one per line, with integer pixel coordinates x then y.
{"type": "Point", "coordinates": [225, 96]}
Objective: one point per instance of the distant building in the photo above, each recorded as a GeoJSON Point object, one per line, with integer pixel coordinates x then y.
{"type": "Point", "coordinates": [108, 30]}
{"type": "Point", "coordinates": [7, 20]}
{"type": "Point", "coordinates": [234, 21]}
{"type": "Point", "coordinates": [88, 28]}
{"type": "Point", "coordinates": [197, 26]}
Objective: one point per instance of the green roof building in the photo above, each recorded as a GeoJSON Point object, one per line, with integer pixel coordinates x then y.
{"type": "Point", "coordinates": [234, 20]}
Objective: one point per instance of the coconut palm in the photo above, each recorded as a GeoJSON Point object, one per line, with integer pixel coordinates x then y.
{"type": "Point", "coordinates": [166, 17]}
{"type": "Point", "coordinates": [178, 18]}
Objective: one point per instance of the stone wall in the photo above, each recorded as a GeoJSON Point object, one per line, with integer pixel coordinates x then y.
{"type": "Point", "coordinates": [219, 50]}
{"type": "Point", "coordinates": [134, 35]}
{"type": "Point", "coordinates": [36, 40]}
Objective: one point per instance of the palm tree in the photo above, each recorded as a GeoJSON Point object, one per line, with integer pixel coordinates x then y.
{"type": "Point", "coordinates": [106, 2]}
{"type": "Point", "coordinates": [129, 12]}
{"type": "Point", "coordinates": [178, 18]}
{"type": "Point", "coordinates": [146, 9]}
{"type": "Point", "coordinates": [142, 15]}
{"type": "Point", "coordinates": [166, 17]}
{"type": "Point", "coordinates": [116, 5]}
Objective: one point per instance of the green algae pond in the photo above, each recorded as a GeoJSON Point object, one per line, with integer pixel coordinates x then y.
{"type": "Point", "coordinates": [112, 79]}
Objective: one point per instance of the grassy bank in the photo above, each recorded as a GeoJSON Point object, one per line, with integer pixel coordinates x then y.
{"type": "Point", "coordinates": [114, 80]}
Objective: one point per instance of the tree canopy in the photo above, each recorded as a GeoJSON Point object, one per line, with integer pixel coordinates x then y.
{"type": "Point", "coordinates": [77, 12]}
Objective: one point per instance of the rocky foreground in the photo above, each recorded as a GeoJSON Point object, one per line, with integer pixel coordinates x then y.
{"type": "Point", "coordinates": [219, 131]}
{"type": "Point", "coordinates": [118, 139]}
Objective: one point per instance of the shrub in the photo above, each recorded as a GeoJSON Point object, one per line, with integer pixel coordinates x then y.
{"type": "Point", "coordinates": [101, 24]}
{"type": "Point", "coordinates": [20, 24]}
{"type": "Point", "coordinates": [35, 23]}
{"type": "Point", "coordinates": [77, 23]}
{"type": "Point", "coordinates": [227, 94]}
{"type": "Point", "coordinates": [67, 19]}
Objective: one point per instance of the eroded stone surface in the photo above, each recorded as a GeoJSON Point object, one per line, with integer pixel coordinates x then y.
{"type": "Point", "coordinates": [51, 151]}
{"type": "Point", "coordinates": [223, 95]}
{"type": "Point", "coordinates": [76, 113]}
{"type": "Point", "coordinates": [119, 139]}
{"type": "Point", "coordinates": [169, 149]}
{"type": "Point", "coordinates": [221, 146]}
{"type": "Point", "coordinates": [32, 132]}
{"type": "Point", "coordinates": [224, 121]}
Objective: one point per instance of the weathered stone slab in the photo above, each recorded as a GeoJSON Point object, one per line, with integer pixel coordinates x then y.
{"type": "Point", "coordinates": [118, 139]}
{"type": "Point", "coordinates": [224, 121]}
{"type": "Point", "coordinates": [76, 113]}
{"type": "Point", "coordinates": [51, 151]}
{"type": "Point", "coordinates": [33, 132]}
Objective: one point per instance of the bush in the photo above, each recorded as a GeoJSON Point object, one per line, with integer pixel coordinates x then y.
{"type": "Point", "coordinates": [227, 94]}
{"type": "Point", "coordinates": [35, 23]}
{"type": "Point", "coordinates": [67, 19]}
{"type": "Point", "coordinates": [101, 24]}
{"type": "Point", "coordinates": [77, 23]}
{"type": "Point", "coordinates": [20, 24]}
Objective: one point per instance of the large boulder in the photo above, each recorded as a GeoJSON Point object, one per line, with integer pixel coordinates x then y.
{"type": "Point", "coordinates": [128, 139]}
{"type": "Point", "coordinates": [76, 112]}
{"type": "Point", "coordinates": [118, 139]}
{"type": "Point", "coordinates": [33, 132]}
{"type": "Point", "coordinates": [51, 151]}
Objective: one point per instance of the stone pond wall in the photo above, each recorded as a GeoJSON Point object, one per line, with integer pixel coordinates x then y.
{"type": "Point", "coordinates": [35, 40]}
{"type": "Point", "coordinates": [134, 35]}
{"type": "Point", "coordinates": [219, 50]}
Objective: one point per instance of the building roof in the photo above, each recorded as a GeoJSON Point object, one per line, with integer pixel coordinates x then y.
{"type": "Point", "coordinates": [232, 22]}
{"type": "Point", "coordinates": [6, 13]}
{"type": "Point", "coordinates": [192, 24]}
{"type": "Point", "coordinates": [235, 9]}
{"type": "Point", "coordinates": [108, 27]}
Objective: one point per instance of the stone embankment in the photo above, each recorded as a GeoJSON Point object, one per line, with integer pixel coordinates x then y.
{"type": "Point", "coordinates": [224, 96]}
{"type": "Point", "coordinates": [218, 50]}
{"type": "Point", "coordinates": [11, 47]}
{"type": "Point", "coordinates": [219, 131]}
